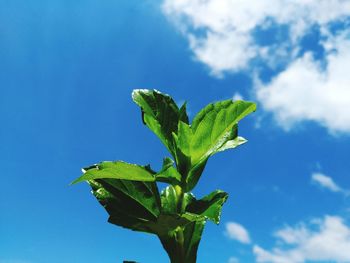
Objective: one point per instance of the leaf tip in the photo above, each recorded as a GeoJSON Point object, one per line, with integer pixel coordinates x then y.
{"type": "Point", "coordinates": [78, 180]}
{"type": "Point", "coordinates": [81, 178]}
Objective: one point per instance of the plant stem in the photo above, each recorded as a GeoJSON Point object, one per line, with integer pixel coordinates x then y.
{"type": "Point", "coordinates": [174, 242]}
{"type": "Point", "coordinates": [180, 242]}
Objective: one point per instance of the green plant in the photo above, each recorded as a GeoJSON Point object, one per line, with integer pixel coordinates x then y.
{"type": "Point", "coordinates": [130, 193]}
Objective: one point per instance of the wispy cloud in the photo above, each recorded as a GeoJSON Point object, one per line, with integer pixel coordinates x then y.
{"type": "Point", "coordinates": [328, 183]}
{"type": "Point", "coordinates": [237, 232]}
{"type": "Point", "coordinates": [326, 239]}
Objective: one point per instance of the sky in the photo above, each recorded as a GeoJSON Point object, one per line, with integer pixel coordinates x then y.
{"type": "Point", "coordinates": [67, 70]}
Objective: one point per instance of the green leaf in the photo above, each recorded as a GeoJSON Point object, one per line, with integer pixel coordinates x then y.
{"type": "Point", "coordinates": [167, 163]}
{"type": "Point", "coordinates": [169, 173]}
{"type": "Point", "coordinates": [161, 114]}
{"type": "Point", "coordinates": [130, 204]}
{"type": "Point", "coordinates": [118, 209]}
{"type": "Point", "coordinates": [194, 175]}
{"type": "Point", "coordinates": [209, 206]}
{"type": "Point", "coordinates": [212, 127]}
{"type": "Point", "coordinates": [117, 170]}
{"type": "Point", "coordinates": [184, 138]}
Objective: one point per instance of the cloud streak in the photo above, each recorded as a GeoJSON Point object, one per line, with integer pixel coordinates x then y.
{"type": "Point", "coordinates": [328, 183]}
{"type": "Point", "coordinates": [237, 232]}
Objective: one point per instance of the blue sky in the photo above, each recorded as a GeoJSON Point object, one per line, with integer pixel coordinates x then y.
{"type": "Point", "coordinates": [67, 72]}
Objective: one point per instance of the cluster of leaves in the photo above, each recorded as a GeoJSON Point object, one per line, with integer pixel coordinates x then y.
{"type": "Point", "coordinates": [129, 192]}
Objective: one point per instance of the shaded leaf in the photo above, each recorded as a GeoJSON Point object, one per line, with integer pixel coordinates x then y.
{"type": "Point", "coordinates": [194, 175]}
{"type": "Point", "coordinates": [117, 209]}
{"type": "Point", "coordinates": [169, 173]}
{"type": "Point", "coordinates": [209, 206]}
{"type": "Point", "coordinates": [183, 114]}
{"type": "Point", "coordinates": [130, 204]}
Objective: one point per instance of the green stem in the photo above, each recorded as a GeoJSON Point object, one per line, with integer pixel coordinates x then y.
{"type": "Point", "coordinates": [180, 243]}
{"type": "Point", "coordinates": [179, 249]}
{"type": "Point", "coordinates": [174, 246]}
{"type": "Point", "coordinates": [174, 242]}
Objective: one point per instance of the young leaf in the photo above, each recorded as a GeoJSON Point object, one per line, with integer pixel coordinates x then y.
{"type": "Point", "coordinates": [169, 173]}
{"type": "Point", "coordinates": [212, 127]}
{"type": "Point", "coordinates": [160, 113]}
{"type": "Point", "coordinates": [117, 170]}
{"type": "Point", "coordinates": [231, 144]}
{"type": "Point", "coordinates": [169, 200]}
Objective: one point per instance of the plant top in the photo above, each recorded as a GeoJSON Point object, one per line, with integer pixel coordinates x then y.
{"type": "Point", "coordinates": [130, 194]}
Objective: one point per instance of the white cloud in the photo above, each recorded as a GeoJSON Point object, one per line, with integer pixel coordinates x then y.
{"type": "Point", "coordinates": [326, 182]}
{"type": "Point", "coordinates": [326, 239]}
{"type": "Point", "coordinates": [237, 232]}
{"type": "Point", "coordinates": [221, 33]}
{"type": "Point", "coordinates": [307, 91]}
{"type": "Point", "coordinates": [223, 52]}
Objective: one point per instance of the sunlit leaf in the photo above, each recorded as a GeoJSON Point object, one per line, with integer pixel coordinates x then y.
{"type": "Point", "coordinates": [117, 170]}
